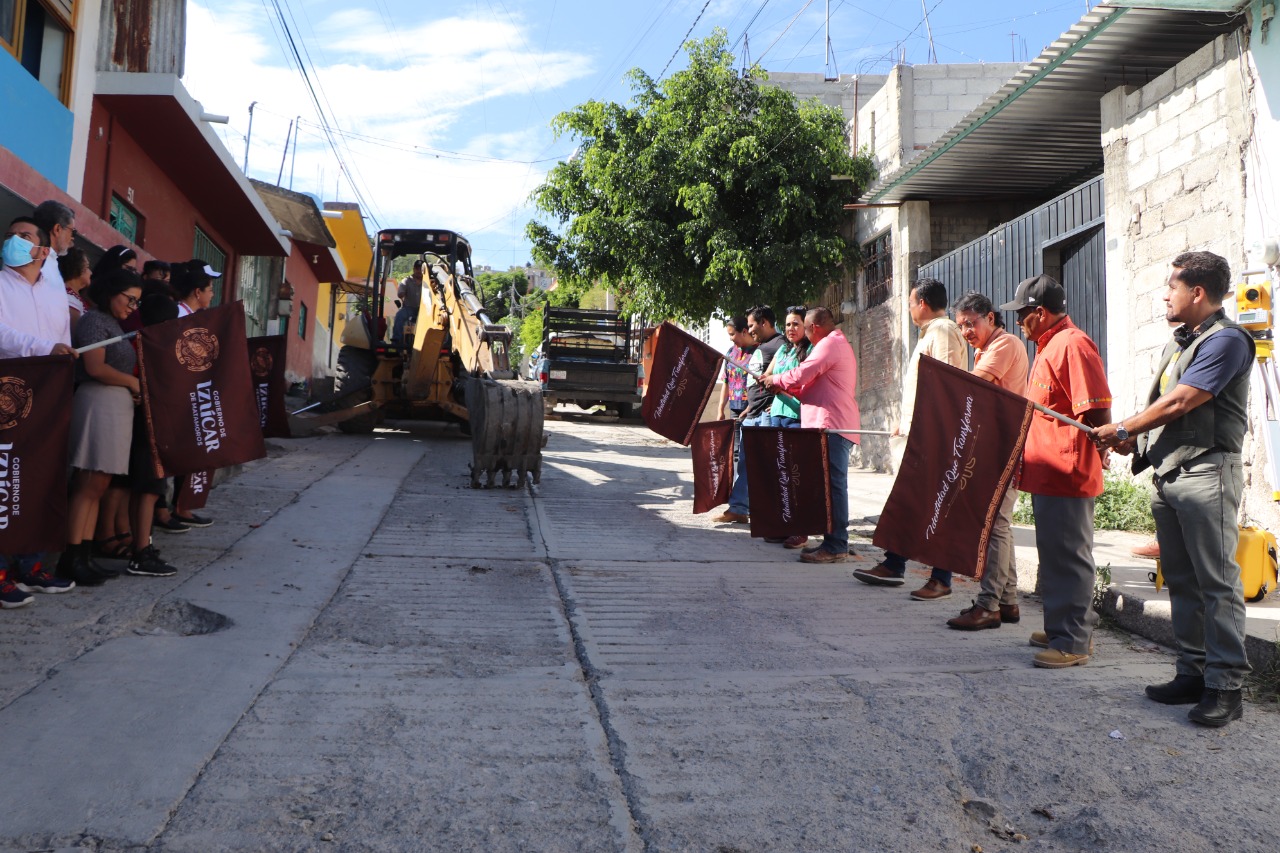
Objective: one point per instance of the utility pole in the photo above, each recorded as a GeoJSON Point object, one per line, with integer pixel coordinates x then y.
{"type": "Point", "coordinates": [247, 137]}
{"type": "Point", "coordinates": [297, 124]}
{"type": "Point", "coordinates": [284, 153]}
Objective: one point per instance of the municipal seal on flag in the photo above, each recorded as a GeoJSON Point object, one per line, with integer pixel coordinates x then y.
{"type": "Point", "coordinates": [197, 349]}
{"type": "Point", "coordinates": [260, 363]}
{"type": "Point", "coordinates": [15, 401]}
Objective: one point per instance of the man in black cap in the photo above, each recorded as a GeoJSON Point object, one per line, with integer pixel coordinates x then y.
{"type": "Point", "coordinates": [1191, 433]}
{"type": "Point", "coordinates": [1061, 468]}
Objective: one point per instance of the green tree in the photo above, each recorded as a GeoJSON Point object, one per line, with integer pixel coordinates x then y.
{"type": "Point", "coordinates": [496, 289]}
{"type": "Point", "coordinates": [710, 192]}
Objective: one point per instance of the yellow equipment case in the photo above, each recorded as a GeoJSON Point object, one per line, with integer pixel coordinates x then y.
{"type": "Point", "coordinates": [1256, 555]}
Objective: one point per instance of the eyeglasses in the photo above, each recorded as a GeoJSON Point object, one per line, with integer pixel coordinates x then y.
{"type": "Point", "coordinates": [131, 301]}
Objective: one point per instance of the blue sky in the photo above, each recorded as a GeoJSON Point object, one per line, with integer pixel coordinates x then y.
{"type": "Point", "coordinates": [440, 111]}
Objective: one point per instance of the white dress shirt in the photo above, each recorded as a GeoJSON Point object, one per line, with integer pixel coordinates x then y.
{"type": "Point", "coordinates": [33, 317]}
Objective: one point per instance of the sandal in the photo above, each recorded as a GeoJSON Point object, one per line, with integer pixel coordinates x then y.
{"type": "Point", "coordinates": [103, 547]}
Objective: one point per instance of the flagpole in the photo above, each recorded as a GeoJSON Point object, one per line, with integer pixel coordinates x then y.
{"type": "Point", "coordinates": [108, 342]}
{"type": "Point", "coordinates": [1059, 416]}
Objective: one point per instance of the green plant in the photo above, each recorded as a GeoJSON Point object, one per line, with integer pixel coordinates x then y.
{"type": "Point", "coordinates": [1101, 582]}
{"type": "Point", "coordinates": [1125, 504]}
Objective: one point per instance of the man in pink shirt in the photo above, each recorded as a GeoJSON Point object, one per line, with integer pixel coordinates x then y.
{"type": "Point", "coordinates": [825, 383]}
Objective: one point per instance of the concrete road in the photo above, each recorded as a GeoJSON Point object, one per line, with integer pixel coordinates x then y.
{"type": "Point", "coordinates": [365, 654]}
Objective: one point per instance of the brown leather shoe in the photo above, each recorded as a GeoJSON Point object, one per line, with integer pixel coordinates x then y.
{"type": "Point", "coordinates": [975, 619]}
{"type": "Point", "coordinates": [881, 575]}
{"type": "Point", "coordinates": [1057, 659]}
{"type": "Point", "coordinates": [1151, 550]}
{"type": "Point", "coordinates": [822, 555]}
{"type": "Point", "coordinates": [1040, 640]}
{"type": "Point", "coordinates": [797, 541]}
{"type": "Point", "coordinates": [1009, 613]}
{"type": "Point", "coordinates": [731, 518]}
{"type": "Point", "coordinates": [932, 591]}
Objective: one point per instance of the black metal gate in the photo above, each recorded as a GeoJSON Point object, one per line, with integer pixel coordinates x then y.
{"type": "Point", "coordinates": [1063, 238]}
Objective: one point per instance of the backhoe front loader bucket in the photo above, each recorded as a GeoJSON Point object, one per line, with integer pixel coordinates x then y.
{"type": "Point", "coordinates": [506, 431]}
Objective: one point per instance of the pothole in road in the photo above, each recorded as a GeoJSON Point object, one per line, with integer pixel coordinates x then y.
{"type": "Point", "coordinates": [183, 619]}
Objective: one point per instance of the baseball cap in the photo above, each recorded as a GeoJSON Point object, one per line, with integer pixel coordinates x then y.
{"type": "Point", "coordinates": [1038, 291]}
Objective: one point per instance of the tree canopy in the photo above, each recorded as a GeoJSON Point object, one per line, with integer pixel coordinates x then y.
{"type": "Point", "coordinates": [710, 193]}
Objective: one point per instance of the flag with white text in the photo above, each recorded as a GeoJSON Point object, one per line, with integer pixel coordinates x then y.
{"type": "Point", "coordinates": [788, 481]}
{"type": "Point", "coordinates": [712, 451]}
{"type": "Point", "coordinates": [961, 455]}
{"type": "Point", "coordinates": [680, 382]}
{"type": "Point", "coordinates": [35, 425]}
{"type": "Point", "coordinates": [197, 391]}
{"type": "Point", "coordinates": [266, 363]}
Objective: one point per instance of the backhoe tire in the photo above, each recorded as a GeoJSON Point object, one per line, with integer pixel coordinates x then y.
{"type": "Point", "coordinates": [354, 371]}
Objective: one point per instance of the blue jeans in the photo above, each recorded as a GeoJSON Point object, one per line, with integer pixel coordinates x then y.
{"type": "Point", "coordinates": [403, 316]}
{"type": "Point", "coordinates": [784, 422]}
{"type": "Point", "coordinates": [738, 500]}
{"type": "Point", "coordinates": [898, 565]}
{"type": "Point", "coordinates": [838, 450]}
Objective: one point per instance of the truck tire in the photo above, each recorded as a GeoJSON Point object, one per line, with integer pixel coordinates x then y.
{"type": "Point", "coordinates": [355, 370]}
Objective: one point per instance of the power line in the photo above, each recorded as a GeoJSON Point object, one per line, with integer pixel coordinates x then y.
{"type": "Point", "coordinates": [683, 40]}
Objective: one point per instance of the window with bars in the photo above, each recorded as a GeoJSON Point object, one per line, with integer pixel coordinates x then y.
{"type": "Point", "coordinates": [124, 219]}
{"type": "Point", "coordinates": [878, 268]}
{"type": "Point", "coordinates": [206, 250]}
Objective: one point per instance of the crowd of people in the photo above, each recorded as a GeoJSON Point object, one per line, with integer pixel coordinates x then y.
{"type": "Point", "coordinates": [53, 301]}
{"type": "Point", "coordinates": [1190, 436]}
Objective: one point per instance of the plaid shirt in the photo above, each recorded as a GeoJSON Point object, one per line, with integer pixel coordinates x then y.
{"type": "Point", "coordinates": [735, 378]}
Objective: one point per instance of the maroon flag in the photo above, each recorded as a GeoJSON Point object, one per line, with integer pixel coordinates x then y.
{"type": "Point", "coordinates": [960, 458]}
{"type": "Point", "coordinates": [266, 362]}
{"type": "Point", "coordinates": [681, 379]}
{"type": "Point", "coordinates": [788, 481]}
{"type": "Point", "coordinates": [712, 450]}
{"type": "Point", "coordinates": [35, 424]}
{"type": "Point", "coordinates": [197, 392]}
{"type": "Point", "coordinates": [194, 492]}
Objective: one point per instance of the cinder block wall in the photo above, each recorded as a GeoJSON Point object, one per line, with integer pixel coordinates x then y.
{"type": "Point", "coordinates": [1175, 181]}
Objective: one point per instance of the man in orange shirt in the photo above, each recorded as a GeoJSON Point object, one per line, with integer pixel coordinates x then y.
{"type": "Point", "coordinates": [1061, 468]}
{"type": "Point", "coordinates": [999, 358]}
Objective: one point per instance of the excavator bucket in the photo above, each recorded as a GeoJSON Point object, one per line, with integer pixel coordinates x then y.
{"type": "Point", "coordinates": [506, 431]}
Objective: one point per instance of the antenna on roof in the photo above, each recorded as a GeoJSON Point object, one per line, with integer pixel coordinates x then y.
{"type": "Point", "coordinates": [933, 54]}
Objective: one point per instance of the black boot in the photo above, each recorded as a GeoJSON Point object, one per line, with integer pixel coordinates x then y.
{"type": "Point", "coordinates": [1217, 708]}
{"type": "Point", "coordinates": [1183, 690]}
{"type": "Point", "coordinates": [77, 566]}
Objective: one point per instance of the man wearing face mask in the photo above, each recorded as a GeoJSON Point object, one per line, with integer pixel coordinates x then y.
{"type": "Point", "coordinates": [33, 321]}
{"type": "Point", "coordinates": [33, 308]}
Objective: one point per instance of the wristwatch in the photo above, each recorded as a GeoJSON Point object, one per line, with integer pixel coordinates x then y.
{"type": "Point", "coordinates": [1121, 432]}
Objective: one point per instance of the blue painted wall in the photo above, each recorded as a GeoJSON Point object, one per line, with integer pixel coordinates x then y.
{"type": "Point", "coordinates": [34, 124]}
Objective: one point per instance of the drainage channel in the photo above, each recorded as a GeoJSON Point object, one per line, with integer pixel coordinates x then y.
{"type": "Point", "coordinates": [637, 828]}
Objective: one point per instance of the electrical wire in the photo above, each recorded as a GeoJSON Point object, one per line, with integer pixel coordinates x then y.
{"type": "Point", "coordinates": [676, 52]}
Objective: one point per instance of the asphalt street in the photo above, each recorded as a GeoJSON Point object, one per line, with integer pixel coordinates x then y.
{"type": "Point", "coordinates": [363, 653]}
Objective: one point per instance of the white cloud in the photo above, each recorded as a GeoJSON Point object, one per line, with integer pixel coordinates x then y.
{"type": "Point", "coordinates": [457, 84]}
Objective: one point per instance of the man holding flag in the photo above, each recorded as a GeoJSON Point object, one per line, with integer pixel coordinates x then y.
{"type": "Point", "coordinates": [825, 384]}
{"type": "Point", "coordinates": [33, 321]}
{"type": "Point", "coordinates": [1061, 468]}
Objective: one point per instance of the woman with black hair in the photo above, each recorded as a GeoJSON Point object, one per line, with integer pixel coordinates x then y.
{"type": "Point", "coordinates": [116, 258]}
{"type": "Point", "coordinates": [101, 416]}
{"type": "Point", "coordinates": [193, 285]}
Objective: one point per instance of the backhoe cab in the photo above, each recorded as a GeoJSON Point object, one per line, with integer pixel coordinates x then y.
{"type": "Point", "coordinates": [451, 362]}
